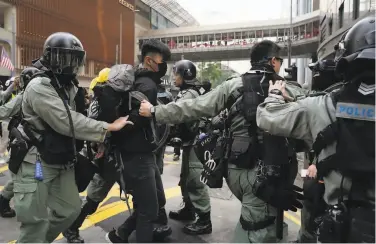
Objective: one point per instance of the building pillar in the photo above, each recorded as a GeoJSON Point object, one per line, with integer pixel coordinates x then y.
{"type": "Point", "coordinates": [301, 70]}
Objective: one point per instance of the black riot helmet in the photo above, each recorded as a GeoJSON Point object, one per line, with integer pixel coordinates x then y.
{"type": "Point", "coordinates": [323, 74]}
{"type": "Point", "coordinates": [187, 70]}
{"type": "Point", "coordinates": [63, 54]}
{"type": "Point", "coordinates": [357, 47]}
{"type": "Point", "coordinates": [26, 75]}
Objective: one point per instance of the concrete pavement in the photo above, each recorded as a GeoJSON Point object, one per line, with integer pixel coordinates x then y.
{"type": "Point", "coordinates": [112, 212]}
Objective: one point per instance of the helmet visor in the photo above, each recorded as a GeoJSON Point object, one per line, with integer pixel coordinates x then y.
{"type": "Point", "coordinates": [66, 61]}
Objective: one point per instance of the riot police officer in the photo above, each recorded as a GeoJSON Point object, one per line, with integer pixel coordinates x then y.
{"type": "Point", "coordinates": [195, 194]}
{"type": "Point", "coordinates": [324, 79]}
{"type": "Point", "coordinates": [340, 128]}
{"type": "Point", "coordinates": [46, 197]}
{"type": "Point", "coordinates": [8, 110]}
{"type": "Point", "coordinates": [258, 213]}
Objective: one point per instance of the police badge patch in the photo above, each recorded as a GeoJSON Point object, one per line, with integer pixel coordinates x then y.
{"type": "Point", "coordinates": [355, 111]}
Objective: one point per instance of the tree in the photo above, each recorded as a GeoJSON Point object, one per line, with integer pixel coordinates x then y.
{"type": "Point", "coordinates": [211, 72]}
{"type": "Point", "coordinates": [214, 73]}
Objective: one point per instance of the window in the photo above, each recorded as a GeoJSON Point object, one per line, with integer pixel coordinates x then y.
{"type": "Point", "coordinates": [171, 25]}
{"type": "Point", "coordinates": [356, 4]}
{"type": "Point", "coordinates": [162, 22]}
{"type": "Point", "coordinates": [2, 18]}
{"type": "Point", "coordinates": [341, 15]}
{"type": "Point", "coordinates": [154, 18]}
{"type": "Point", "coordinates": [331, 25]}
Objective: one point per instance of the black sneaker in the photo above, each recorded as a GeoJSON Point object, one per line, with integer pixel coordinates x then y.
{"type": "Point", "coordinates": [112, 237]}
{"type": "Point", "coordinates": [73, 236]}
{"type": "Point", "coordinates": [5, 210]}
{"type": "Point", "coordinates": [160, 233]}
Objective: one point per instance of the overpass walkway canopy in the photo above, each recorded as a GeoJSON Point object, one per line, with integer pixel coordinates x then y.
{"type": "Point", "coordinates": [196, 39]}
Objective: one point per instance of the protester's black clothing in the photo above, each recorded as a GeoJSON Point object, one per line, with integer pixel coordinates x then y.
{"type": "Point", "coordinates": [143, 179]}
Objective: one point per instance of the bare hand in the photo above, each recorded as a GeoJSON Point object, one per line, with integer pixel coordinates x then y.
{"type": "Point", "coordinates": [145, 109]}
{"type": "Point", "coordinates": [100, 152]}
{"type": "Point", "coordinates": [119, 124]}
{"type": "Point", "coordinates": [16, 82]}
{"type": "Point", "coordinates": [312, 171]}
{"type": "Point", "coordinates": [280, 85]}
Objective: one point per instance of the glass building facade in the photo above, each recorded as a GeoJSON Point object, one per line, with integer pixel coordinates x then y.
{"type": "Point", "coordinates": [158, 21]}
{"type": "Point", "coordinates": [338, 16]}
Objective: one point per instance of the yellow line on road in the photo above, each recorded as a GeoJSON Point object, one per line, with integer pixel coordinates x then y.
{"type": "Point", "coordinates": [109, 210]}
{"type": "Point", "coordinates": [3, 168]}
{"type": "Point", "coordinates": [171, 162]}
{"type": "Point", "coordinates": [292, 218]}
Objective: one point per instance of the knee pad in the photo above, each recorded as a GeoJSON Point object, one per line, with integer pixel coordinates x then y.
{"type": "Point", "coordinates": [90, 206]}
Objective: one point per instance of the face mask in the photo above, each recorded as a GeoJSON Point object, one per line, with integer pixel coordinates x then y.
{"type": "Point", "coordinates": [162, 69]}
{"type": "Point", "coordinates": [65, 79]}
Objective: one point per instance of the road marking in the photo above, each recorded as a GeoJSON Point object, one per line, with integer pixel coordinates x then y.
{"type": "Point", "coordinates": [292, 218]}
{"type": "Point", "coordinates": [109, 210]}
{"type": "Point", "coordinates": [3, 168]}
{"type": "Point", "coordinates": [171, 162]}
{"type": "Point", "coordinates": [115, 208]}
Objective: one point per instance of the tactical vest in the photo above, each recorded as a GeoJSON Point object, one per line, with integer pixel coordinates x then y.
{"type": "Point", "coordinates": [54, 147]}
{"type": "Point", "coordinates": [353, 131]}
{"type": "Point", "coordinates": [256, 145]}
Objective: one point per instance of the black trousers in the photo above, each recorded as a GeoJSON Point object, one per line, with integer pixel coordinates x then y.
{"type": "Point", "coordinates": [143, 178]}
{"type": "Point", "coordinates": [177, 151]}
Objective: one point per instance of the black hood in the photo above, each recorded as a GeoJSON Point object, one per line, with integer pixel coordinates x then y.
{"type": "Point", "coordinates": [143, 72]}
{"type": "Point", "coordinates": [38, 64]}
{"type": "Point", "coordinates": [63, 79]}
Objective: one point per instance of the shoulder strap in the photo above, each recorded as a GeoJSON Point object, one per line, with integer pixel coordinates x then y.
{"type": "Point", "coordinates": [193, 92]}
{"type": "Point", "coordinates": [329, 134]}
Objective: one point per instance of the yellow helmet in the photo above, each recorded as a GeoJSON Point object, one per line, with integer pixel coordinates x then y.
{"type": "Point", "coordinates": [101, 78]}
{"type": "Point", "coordinates": [103, 75]}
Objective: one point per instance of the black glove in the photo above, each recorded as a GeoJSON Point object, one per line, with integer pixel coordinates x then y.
{"type": "Point", "coordinates": [217, 122]}
{"type": "Point", "coordinates": [278, 195]}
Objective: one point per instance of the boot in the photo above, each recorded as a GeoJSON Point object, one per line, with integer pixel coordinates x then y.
{"type": "Point", "coordinates": [187, 213]}
{"type": "Point", "coordinates": [5, 210]}
{"type": "Point", "coordinates": [162, 230]}
{"type": "Point", "coordinates": [73, 236]}
{"type": "Point", "coordinates": [160, 233]}
{"type": "Point", "coordinates": [176, 157]}
{"type": "Point", "coordinates": [203, 225]}
{"type": "Point", "coordinates": [162, 217]}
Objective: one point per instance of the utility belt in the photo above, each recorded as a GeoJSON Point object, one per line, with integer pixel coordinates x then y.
{"type": "Point", "coordinates": [249, 226]}
{"type": "Point", "coordinates": [347, 223]}
{"type": "Point", "coordinates": [54, 148]}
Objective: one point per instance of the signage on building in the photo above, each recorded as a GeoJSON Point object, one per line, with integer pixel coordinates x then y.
{"type": "Point", "coordinates": [126, 4]}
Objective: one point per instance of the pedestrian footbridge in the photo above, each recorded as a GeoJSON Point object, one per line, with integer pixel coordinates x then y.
{"type": "Point", "coordinates": [233, 41]}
